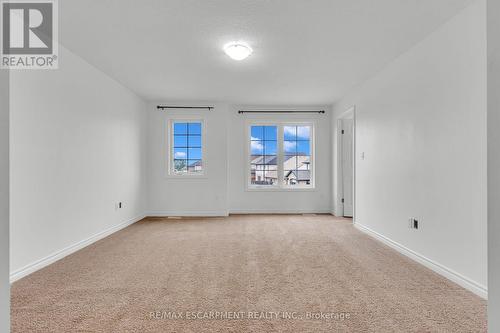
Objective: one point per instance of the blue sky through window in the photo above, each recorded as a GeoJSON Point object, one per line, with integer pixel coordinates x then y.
{"type": "Point", "coordinates": [297, 140]}
{"type": "Point", "coordinates": [264, 140]}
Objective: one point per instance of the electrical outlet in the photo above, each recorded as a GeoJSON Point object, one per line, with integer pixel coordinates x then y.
{"type": "Point", "coordinates": [413, 223]}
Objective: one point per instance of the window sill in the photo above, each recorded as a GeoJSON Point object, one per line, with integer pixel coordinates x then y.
{"type": "Point", "coordinates": [280, 189]}
{"type": "Point", "coordinates": [185, 177]}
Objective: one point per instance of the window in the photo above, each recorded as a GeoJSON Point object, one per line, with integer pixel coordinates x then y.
{"type": "Point", "coordinates": [186, 155]}
{"type": "Point", "coordinates": [263, 156]}
{"type": "Point", "coordinates": [281, 156]}
{"type": "Point", "coordinates": [297, 152]}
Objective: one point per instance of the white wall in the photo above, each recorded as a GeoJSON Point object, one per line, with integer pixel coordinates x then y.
{"type": "Point", "coordinates": [4, 202]}
{"type": "Point", "coordinates": [77, 148]}
{"type": "Point", "coordinates": [421, 122]}
{"type": "Point", "coordinates": [493, 165]}
{"type": "Point", "coordinates": [223, 190]}
{"type": "Point", "coordinates": [205, 196]}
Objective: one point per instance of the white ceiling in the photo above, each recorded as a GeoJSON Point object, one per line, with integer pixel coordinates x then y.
{"type": "Point", "coordinates": [305, 52]}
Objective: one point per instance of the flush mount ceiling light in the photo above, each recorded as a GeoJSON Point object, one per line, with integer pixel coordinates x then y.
{"type": "Point", "coordinates": [238, 50]}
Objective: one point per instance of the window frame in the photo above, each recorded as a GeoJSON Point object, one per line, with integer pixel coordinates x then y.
{"type": "Point", "coordinates": [170, 173]}
{"type": "Point", "coordinates": [280, 124]}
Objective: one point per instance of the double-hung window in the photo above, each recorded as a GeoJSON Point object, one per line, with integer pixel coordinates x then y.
{"type": "Point", "coordinates": [280, 155]}
{"type": "Point", "coordinates": [264, 155]}
{"type": "Point", "coordinates": [186, 148]}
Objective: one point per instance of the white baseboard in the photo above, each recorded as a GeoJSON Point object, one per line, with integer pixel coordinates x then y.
{"type": "Point", "coordinates": [41, 263]}
{"type": "Point", "coordinates": [448, 273]}
{"type": "Point", "coordinates": [336, 210]}
{"type": "Point", "coordinates": [280, 211]}
{"type": "Point", "coordinates": [207, 213]}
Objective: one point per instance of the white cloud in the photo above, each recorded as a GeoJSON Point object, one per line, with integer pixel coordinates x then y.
{"type": "Point", "coordinates": [180, 154]}
{"type": "Point", "coordinates": [289, 145]}
{"type": "Point", "coordinates": [289, 130]}
{"type": "Point", "coordinates": [303, 132]}
{"type": "Point", "coordinates": [256, 145]}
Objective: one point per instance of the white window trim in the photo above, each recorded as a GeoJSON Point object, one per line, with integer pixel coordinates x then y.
{"type": "Point", "coordinates": [280, 187]}
{"type": "Point", "coordinates": [169, 140]}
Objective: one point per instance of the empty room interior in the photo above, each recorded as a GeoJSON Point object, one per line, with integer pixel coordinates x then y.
{"type": "Point", "coordinates": [250, 166]}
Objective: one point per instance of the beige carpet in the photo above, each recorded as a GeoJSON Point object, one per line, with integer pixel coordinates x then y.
{"type": "Point", "coordinates": [242, 274]}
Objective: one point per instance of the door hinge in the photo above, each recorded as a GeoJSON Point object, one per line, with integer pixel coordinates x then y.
{"type": "Point", "coordinates": [342, 200]}
{"type": "Point", "coordinates": [342, 131]}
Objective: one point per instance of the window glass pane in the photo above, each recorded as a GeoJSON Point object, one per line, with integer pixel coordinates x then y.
{"type": "Point", "coordinates": [270, 133]}
{"type": "Point", "coordinates": [180, 128]}
{"type": "Point", "coordinates": [289, 178]}
{"type": "Point", "coordinates": [271, 160]}
{"type": "Point", "coordinates": [194, 153]}
{"type": "Point", "coordinates": [303, 148]}
{"type": "Point", "coordinates": [263, 158]}
{"type": "Point", "coordinates": [180, 153]}
{"type": "Point", "coordinates": [297, 155]}
{"type": "Point", "coordinates": [271, 175]}
{"type": "Point", "coordinates": [290, 132]}
{"type": "Point", "coordinates": [297, 177]}
{"type": "Point", "coordinates": [290, 162]}
{"type": "Point", "coordinates": [303, 162]}
{"type": "Point", "coordinates": [195, 166]}
{"type": "Point", "coordinates": [263, 177]}
{"type": "Point", "coordinates": [180, 166]}
{"type": "Point", "coordinates": [256, 159]}
{"type": "Point", "coordinates": [195, 141]}
{"type": "Point", "coordinates": [257, 147]}
{"type": "Point", "coordinates": [303, 132]}
{"type": "Point", "coordinates": [303, 177]}
{"type": "Point", "coordinates": [259, 177]}
{"type": "Point", "coordinates": [194, 128]}
{"type": "Point", "coordinates": [290, 147]}
{"type": "Point", "coordinates": [253, 176]}
{"type": "Point", "coordinates": [257, 133]}
{"type": "Point", "coordinates": [270, 147]}
{"type": "Point", "coordinates": [180, 141]}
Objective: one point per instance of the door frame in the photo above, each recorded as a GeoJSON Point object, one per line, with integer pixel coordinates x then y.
{"type": "Point", "coordinates": [350, 113]}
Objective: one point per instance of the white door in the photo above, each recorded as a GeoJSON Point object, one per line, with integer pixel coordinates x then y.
{"type": "Point", "coordinates": [347, 166]}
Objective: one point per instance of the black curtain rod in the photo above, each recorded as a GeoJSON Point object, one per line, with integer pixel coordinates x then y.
{"type": "Point", "coordinates": [162, 107]}
{"type": "Point", "coordinates": [280, 111]}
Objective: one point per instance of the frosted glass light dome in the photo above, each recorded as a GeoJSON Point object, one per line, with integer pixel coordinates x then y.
{"type": "Point", "coordinates": [238, 50]}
